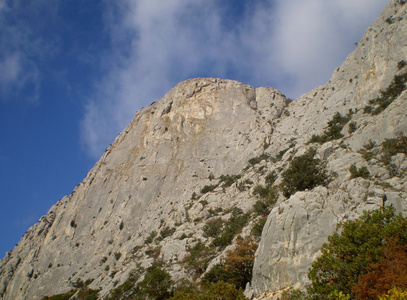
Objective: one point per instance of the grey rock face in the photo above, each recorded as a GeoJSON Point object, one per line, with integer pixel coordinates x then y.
{"type": "Point", "coordinates": [150, 179]}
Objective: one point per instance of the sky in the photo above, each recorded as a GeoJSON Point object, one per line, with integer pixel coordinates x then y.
{"type": "Point", "coordinates": [74, 72]}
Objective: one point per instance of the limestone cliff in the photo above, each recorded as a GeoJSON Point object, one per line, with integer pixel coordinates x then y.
{"type": "Point", "coordinates": [163, 178]}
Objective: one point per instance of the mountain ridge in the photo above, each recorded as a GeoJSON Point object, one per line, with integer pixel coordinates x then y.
{"type": "Point", "coordinates": [153, 175]}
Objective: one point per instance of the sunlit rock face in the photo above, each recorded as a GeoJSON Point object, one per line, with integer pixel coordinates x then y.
{"type": "Point", "coordinates": [151, 178]}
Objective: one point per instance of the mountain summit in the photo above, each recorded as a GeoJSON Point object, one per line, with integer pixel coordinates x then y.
{"type": "Point", "coordinates": [211, 162]}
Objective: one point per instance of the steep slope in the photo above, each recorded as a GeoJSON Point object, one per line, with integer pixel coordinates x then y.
{"type": "Point", "coordinates": [297, 227]}
{"type": "Point", "coordinates": [143, 183]}
{"type": "Point", "coordinates": [201, 151]}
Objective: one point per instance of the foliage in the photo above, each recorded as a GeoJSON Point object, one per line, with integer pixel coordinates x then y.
{"type": "Point", "coordinates": [228, 180]}
{"type": "Point", "coordinates": [401, 64]}
{"type": "Point", "coordinates": [258, 227]}
{"type": "Point", "coordinates": [166, 231]}
{"type": "Point", "coordinates": [348, 255]}
{"type": "Point", "coordinates": [151, 237]}
{"type": "Point", "coordinates": [218, 291]}
{"type": "Point", "coordinates": [335, 127]}
{"type": "Point", "coordinates": [381, 277]}
{"type": "Point", "coordinates": [236, 222]}
{"type": "Point", "coordinates": [397, 145]}
{"type": "Point", "coordinates": [394, 294]}
{"type": "Point", "coordinates": [269, 197]}
{"type": "Point", "coordinates": [84, 293]}
{"type": "Point", "coordinates": [352, 127]}
{"type": "Point", "coordinates": [157, 283]}
{"type": "Point", "coordinates": [236, 267]}
{"type": "Point", "coordinates": [198, 258]}
{"type": "Point", "coordinates": [304, 172]}
{"type": "Point", "coordinates": [292, 294]}
{"type": "Point", "coordinates": [361, 172]}
{"type": "Point", "coordinates": [64, 296]}
{"type": "Point", "coordinates": [391, 147]}
{"type": "Point", "coordinates": [208, 188]}
{"type": "Point", "coordinates": [213, 227]}
{"type": "Point", "coordinates": [387, 96]}
{"type": "Point", "coordinates": [255, 160]}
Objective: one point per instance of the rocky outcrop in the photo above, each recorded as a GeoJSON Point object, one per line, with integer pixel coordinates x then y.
{"type": "Point", "coordinates": [154, 189]}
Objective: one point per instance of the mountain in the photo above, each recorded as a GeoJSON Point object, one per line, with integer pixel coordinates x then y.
{"type": "Point", "coordinates": [218, 155]}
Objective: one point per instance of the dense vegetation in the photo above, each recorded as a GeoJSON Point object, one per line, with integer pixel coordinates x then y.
{"type": "Point", "coordinates": [363, 259]}
{"type": "Point", "coordinates": [304, 172]}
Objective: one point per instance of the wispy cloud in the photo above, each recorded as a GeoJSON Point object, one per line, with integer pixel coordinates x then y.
{"type": "Point", "coordinates": [290, 45]}
{"type": "Point", "coordinates": [21, 48]}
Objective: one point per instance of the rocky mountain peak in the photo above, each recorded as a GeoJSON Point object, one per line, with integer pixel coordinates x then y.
{"type": "Point", "coordinates": [203, 154]}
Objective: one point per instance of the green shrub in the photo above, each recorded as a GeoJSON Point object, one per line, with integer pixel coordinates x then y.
{"type": "Point", "coordinates": [280, 154]}
{"type": "Point", "coordinates": [361, 172]}
{"type": "Point", "coordinates": [257, 229]}
{"type": "Point", "coordinates": [213, 227]}
{"type": "Point", "coordinates": [244, 185]}
{"type": "Point", "coordinates": [255, 160]}
{"type": "Point", "coordinates": [235, 224]}
{"type": "Point", "coordinates": [166, 231]}
{"type": "Point", "coordinates": [198, 258]}
{"type": "Point", "coordinates": [304, 172]}
{"type": "Point", "coordinates": [157, 284]}
{"type": "Point", "coordinates": [268, 197]}
{"type": "Point", "coordinates": [355, 246]}
{"type": "Point", "coordinates": [352, 127]}
{"type": "Point", "coordinates": [218, 291]}
{"type": "Point", "coordinates": [228, 180]}
{"type": "Point", "coordinates": [271, 178]}
{"type": "Point", "coordinates": [401, 64]}
{"type": "Point", "coordinates": [151, 237]}
{"type": "Point", "coordinates": [208, 188]}
{"type": "Point", "coordinates": [335, 127]}
{"type": "Point", "coordinates": [128, 289]}
{"type": "Point", "coordinates": [387, 96]}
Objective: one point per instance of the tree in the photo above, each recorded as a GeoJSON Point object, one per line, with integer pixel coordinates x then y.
{"type": "Point", "coordinates": [390, 272]}
{"type": "Point", "coordinates": [236, 267]}
{"type": "Point", "coordinates": [157, 283]}
{"type": "Point", "coordinates": [304, 172]}
{"type": "Point", "coordinates": [348, 254]}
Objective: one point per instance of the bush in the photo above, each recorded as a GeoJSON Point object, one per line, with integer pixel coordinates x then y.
{"type": "Point", "coordinates": [157, 284]}
{"type": "Point", "coordinates": [236, 267]}
{"type": "Point", "coordinates": [198, 258]}
{"type": "Point", "coordinates": [235, 224]}
{"type": "Point", "coordinates": [228, 180]}
{"type": "Point", "coordinates": [352, 127]}
{"type": "Point", "coordinates": [361, 172]}
{"type": "Point", "coordinates": [397, 86]}
{"type": "Point", "coordinates": [349, 254]}
{"type": "Point", "coordinates": [394, 294]}
{"type": "Point", "coordinates": [208, 188]}
{"type": "Point", "coordinates": [213, 227]}
{"type": "Point", "coordinates": [333, 132]}
{"type": "Point", "coordinates": [151, 237]}
{"type": "Point", "coordinates": [218, 291]}
{"type": "Point", "coordinates": [255, 160]}
{"type": "Point", "coordinates": [166, 231]}
{"type": "Point", "coordinates": [304, 172]}
{"type": "Point", "coordinates": [257, 229]}
{"type": "Point", "coordinates": [389, 272]}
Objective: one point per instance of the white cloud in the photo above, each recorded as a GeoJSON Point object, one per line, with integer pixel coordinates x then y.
{"type": "Point", "coordinates": [290, 45]}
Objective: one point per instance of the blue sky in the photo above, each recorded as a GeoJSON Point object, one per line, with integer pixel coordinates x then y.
{"type": "Point", "coordinates": [74, 72]}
